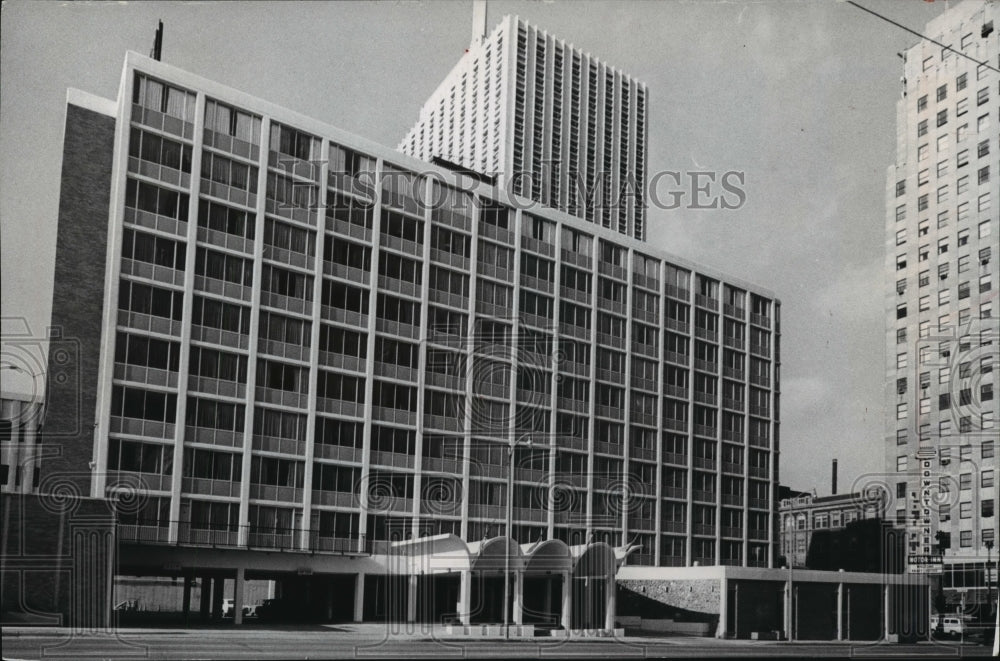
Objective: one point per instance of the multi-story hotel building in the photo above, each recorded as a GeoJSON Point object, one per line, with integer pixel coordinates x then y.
{"type": "Point", "coordinates": [942, 336]}
{"type": "Point", "coordinates": [803, 515]}
{"type": "Point", "coordinates": [293, 338]}
{"type": "Point", "coordinates": [552, 123]}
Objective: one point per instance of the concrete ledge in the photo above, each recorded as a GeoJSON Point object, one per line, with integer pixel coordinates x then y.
{"type": "Point", "coordinates": [618, 632]}
{"type": "Point", "coordinates": [489, 630]}
{"type": "Point", "coordinates": [664, 625]}
{"type": "Point", "coordinates": [765, 635]}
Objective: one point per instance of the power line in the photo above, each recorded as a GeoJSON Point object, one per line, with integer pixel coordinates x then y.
{"type": "Point", "coordinates": [922, 36]}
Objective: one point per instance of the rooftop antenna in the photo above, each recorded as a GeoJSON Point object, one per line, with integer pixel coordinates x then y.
{"type": "Point", "coordinates": [157, 42]}
{"type": "Point", "coordinates": [478, 22]}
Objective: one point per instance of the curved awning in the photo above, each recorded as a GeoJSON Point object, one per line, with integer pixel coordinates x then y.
{"type": "Point", "coordinates": [449, 553]}
{"type": "Point", "coordinates": [550, 556]}
{"type": "Point", "coordinates": [596, 559]}
{"type": "Point", "coordinates": [490, 555]}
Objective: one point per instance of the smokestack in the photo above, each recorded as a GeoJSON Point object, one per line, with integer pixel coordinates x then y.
{"type": "Point", "coordinates": [157, 43]}
{"type": "Point", "coordinates": [478, 22]}
{"type": "Point", "coordinates": [833, 477]}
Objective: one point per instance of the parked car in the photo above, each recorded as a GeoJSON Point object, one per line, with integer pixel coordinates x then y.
{"type": "Point", "coordinates": [950, 626]}
{"type": "Point", "coordinates": [229, 605]}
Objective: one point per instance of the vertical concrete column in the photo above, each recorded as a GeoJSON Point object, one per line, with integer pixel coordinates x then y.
{"type": "Point", "coordinates": [788, 608]}
{"type": "Point", "coordinates": [411, 599]}
{"type": "Point", "coordinates": [723, 609]}
{"type": "Point", "coordinates": [566, 617]}
{"type": "Point", "coordinates": [218, 591]}
{"type": "Point", "coordinates": [464, 606]}
{"type": "Point", "coordinates": [238, 586]}
{"type": "Point", "coordinates": [610, 601]}
{"type": "Point", "coordinates": [359, 597]}
{"type": "Point", "coordinates": [547, 604]}
{"type": "Point", "coordinates": [187, 598]}
{"type": "Point", "coordinates": [518, 601]}
{"type": "Point", "coordinates": [886, 595]}
{"type": "Point", "coordinates": [206, 596]}
{"type": "Point", "coordinates": [840, 611]}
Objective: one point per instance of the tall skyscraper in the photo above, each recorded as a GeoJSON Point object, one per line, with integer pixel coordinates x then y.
{"type": "Point", "coordinates": [942, 336]}
{"type": "Point", "coordinates": [551, 122]}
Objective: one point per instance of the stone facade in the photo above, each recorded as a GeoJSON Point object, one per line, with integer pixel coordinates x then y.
{"type": "Point", "coordinates": [695, 596]}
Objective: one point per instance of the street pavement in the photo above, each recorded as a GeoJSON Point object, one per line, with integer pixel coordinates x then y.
{"type": "Point", "coordinates": [374, 641]}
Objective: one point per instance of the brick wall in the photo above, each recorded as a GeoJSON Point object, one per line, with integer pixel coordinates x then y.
{"type": "Point", "coordinates": [77, 300]}
{"type": "Point", "coordinates": [55, 560]}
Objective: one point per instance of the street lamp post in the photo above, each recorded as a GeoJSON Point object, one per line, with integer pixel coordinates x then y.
{"type": "Point", "coordinates": [510, 522]}
{"type": "Point", "coordinates": [790, 528]}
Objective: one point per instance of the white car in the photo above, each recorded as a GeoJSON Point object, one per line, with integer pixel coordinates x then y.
{"type": "Point", "coordinates": [951, 625]}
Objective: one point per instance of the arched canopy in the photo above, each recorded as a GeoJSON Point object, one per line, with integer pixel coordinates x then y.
{"type": "Point", "coordinates": [491, 555]}
{"type": "Point", "coordinates": [448, 553]}
{"type": "Point", "coordinates": [552, 555]}
{"type": "Point", "coordinates": [596, 559]}
{"type": "Point", "coordinates": [431, 555]}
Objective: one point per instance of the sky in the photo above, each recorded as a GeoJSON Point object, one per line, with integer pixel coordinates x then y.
{"type": "Point", "coordinates": [798, 96]}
